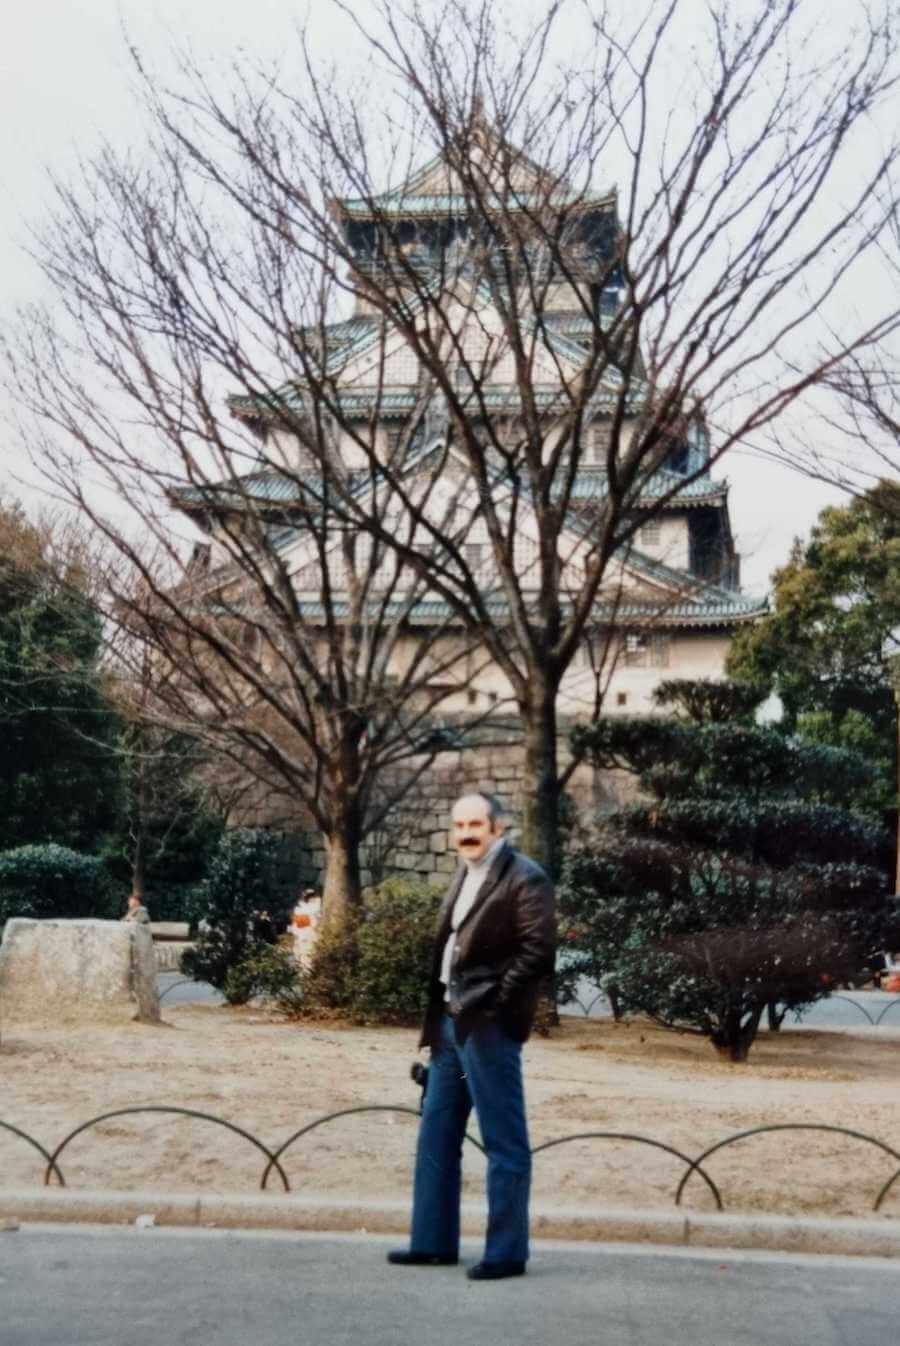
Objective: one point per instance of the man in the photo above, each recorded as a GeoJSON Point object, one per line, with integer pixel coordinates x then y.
{"type": "Point", "coordinates": [495, 944]}
{"type": "Point", "coordinates": [136, 910]}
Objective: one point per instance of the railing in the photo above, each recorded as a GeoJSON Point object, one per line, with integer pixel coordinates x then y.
{"type": "Point", "coordinates": [586, 1006]}
{"type": "Point", "coordinates": [273, 1156]}
{"type": "Point", "coordinates": [891, 1005]}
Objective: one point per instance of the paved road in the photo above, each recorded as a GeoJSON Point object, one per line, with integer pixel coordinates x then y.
{"type": "Point", "coordinates": [847, 1009]}
{"type": "Point", "coordinates": [834, 1012]}
{"type": "Point", "coordinates": [112, 1287]}
{"type": "Point", "coordinates": [175, 990]}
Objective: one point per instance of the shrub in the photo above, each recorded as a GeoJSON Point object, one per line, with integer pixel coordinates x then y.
{"type": "Point", "coordinates": [706, 941]}
{"type": "Point", "coordinates": [240, 884]}
{"type": "Point", "coordinates": [329, 985]}
{"type": "Point", "coordinates": [50, 880]}
{"type": "Point", "coordinates": [746, 883]}
{"type": "Point", "coordinates": [269, 972]}
{"type": "Point", "coordinates": [728, 762]}
{"type": "Point", "coordinates": [781, 833]}
{"type": "Point", "coordinates": [376, 969]}
{"type": "Point", "coordinates": [174, 901]}
{"type": "Point", "coordinates": [395, 944]}
{"type": "Point", "coordinates": [703, 701]}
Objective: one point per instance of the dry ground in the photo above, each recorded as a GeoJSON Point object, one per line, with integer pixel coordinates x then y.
{"type": "Point", "coordinates": [272, 1077]}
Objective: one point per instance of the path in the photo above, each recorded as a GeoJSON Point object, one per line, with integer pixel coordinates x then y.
{"type": "Point", "coordinates": [111, 1287]}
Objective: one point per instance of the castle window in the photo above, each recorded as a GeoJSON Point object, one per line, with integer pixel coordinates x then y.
{"type": "Point", "coordinates": [636, 647]}
{"type": "Point", "coordinates": [621, 698]}
{"type": "Point", "coordinates": [651, 533]}
{"type": "Point", "coordinates": [473, 555]}
{"type": "Point", "coordinates": [596, 442]}
{"type": "Point", "coordinates": [394, 436]}
{"type": "Point", "coordinates": [659, 651]}
{"type": "Point", "coordinates": [462, 378]}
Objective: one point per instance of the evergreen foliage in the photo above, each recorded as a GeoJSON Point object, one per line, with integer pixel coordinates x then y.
{"type": "Point", "coordinates": [165, 833]}
{"type": "Point", "coordinates": [378, 970]}
{"type": "Point", "coordinates": [240, 906]}
{"type": "Point", "coordinates": [834, 603]}
{"type": "Point", "coordinates": [58, 773]}
{"type": "Point", "coordinates": [371, 968]}
{"type": "Point", "coordinates": [396, 941]}
{"type": "Point", "coordinates": [329, 983]}
{"type": "Point", "coordinates": [706, 701]}
{"type": "Point", "coordinates": [51, 880]}
{"type": "Point", "coordinates": [743, 881]}
{"type": "Point", "coordinates": [268, 972]}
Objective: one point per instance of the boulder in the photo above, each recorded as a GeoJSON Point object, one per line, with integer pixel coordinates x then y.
{"type": "Point", "coordinates": [77, 971]}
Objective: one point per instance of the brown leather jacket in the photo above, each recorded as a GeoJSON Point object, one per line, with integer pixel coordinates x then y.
{"type": "Point", "coordinates": [505, 948]}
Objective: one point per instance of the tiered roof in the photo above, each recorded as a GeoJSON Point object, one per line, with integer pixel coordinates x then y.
{"type": "Point", "coordinates": [432, 193]}
{"type": "Point", "coordinates": [688, 601]}
{"type": "Point", "coordinates": [435, 191]}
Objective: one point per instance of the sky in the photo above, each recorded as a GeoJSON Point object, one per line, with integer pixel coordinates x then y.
{"type": "Point", "coordinates": [65, 82]}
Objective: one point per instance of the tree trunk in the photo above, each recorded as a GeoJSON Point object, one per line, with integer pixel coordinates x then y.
{"type": "Point", "coordinates": [540, 814]}
{"type": "Point", "coordinates": [540, 811]}
{"type": "Point", "coordinates": [342, 887]}
{"type": "Point", "coordinates": [736, 1036]}
{"type": "Point", "coordinates": [895, 682]}
{"type": "Point", "coordinates": [775, 1019]}
{"type": "Point", "coordinates": [138, 869]}
{"type": "Point", "coordinates": [139, 853]}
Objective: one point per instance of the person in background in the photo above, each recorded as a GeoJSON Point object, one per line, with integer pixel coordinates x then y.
{"type": "Point", "coordinates": [304, 926]}
{"type": "Point", "coordinates": [137, 912]}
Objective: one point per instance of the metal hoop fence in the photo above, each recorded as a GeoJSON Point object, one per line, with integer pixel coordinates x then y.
{"type": "Point", "coordinates": [273, 1155]}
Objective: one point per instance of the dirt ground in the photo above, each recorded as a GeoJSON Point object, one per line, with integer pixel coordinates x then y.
{"type": "Point", "coordinates": [272, 1077]}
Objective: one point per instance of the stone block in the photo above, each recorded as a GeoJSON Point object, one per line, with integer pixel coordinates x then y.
{"type": "Point", "coordinates": [77, 971]}
{"type": "Point", "coordinates": [608, 1225]}
{"type": "Point", "coordinates": [437, 842]}
{"type": "Point", "coordinates": [796, 1234]}
{"type": "Point", "coordinates": [161, 930]}
{"type": "Point", "coordinates": [169, 956]}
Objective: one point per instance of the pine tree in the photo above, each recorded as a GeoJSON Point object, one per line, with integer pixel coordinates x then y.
{"type": "Point", "coordinates": [741, 880]}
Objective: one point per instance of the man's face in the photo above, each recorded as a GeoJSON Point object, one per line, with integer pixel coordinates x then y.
{"type": "Point", "coordinates": [134, 902]}
{"type": "Point", "coordinates": [472, 832]}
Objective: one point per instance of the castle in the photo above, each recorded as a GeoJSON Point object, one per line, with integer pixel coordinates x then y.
{"type": "Point", "coordinates": [671, 598]}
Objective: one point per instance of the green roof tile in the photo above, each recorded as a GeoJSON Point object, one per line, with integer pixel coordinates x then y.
{"type": "Point", "coordinates": [444, 205]}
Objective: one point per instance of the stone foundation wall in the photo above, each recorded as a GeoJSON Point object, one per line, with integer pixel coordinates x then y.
{"type": "Point", "coordinates": [414, 840]}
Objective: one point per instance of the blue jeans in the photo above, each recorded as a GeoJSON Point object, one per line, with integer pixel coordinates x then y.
{"type": "Point", "coordinates": [486, 1072]}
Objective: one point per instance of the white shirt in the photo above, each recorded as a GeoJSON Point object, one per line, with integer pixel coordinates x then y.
{"type": "Point", "coordinates": [476, 873]}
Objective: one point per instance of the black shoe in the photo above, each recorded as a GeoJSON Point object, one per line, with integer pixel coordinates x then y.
{"type": "Point", "coordinates": [495, 1271]}
{"type": "Point", "coordinates": [405, 1257]}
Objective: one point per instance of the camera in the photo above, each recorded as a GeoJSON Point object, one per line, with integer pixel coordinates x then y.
{"type": "Point", "coordinates": [418, 1073]}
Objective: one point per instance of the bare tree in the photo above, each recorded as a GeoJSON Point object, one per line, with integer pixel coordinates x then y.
{"type": "Point", "coordinates": [166, 804]}
{"type": "Point", "coordinates": [696, 296]}
{"type": "Point", "coordinates": [867, 410]}
{"type": "Point", "coordinates": [291, 652]}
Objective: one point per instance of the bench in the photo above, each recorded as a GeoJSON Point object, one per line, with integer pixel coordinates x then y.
{"type": "Point", "coordinates": [170, 941]}
{"type": "Point", "coordinates": [163, 931]}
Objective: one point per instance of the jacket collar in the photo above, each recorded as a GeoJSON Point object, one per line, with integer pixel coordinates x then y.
{"type": "Point", "coordinates": [499, 862]}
